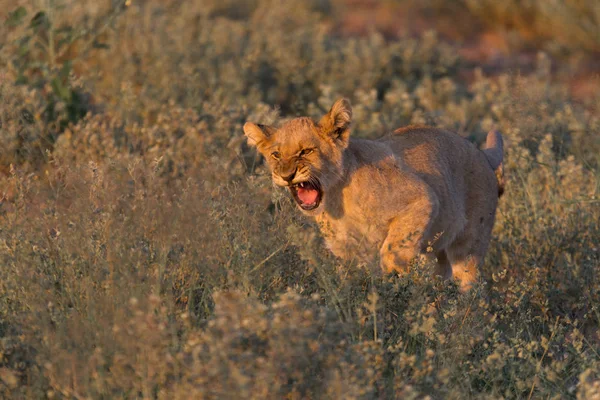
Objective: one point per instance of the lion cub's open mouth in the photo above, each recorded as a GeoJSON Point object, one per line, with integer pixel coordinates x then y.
{"type": "Point", "coordinates": [307, 194]}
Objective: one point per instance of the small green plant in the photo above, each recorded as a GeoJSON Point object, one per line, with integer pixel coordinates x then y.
{"type": "Point", "coordinates": [43, 53]}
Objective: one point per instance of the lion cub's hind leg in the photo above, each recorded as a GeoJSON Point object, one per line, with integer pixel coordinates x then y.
{"type": "Point", "coordinates": [465, 269]}
{"type": "Point", "coordinates": [467, 252]}
{"type": "Point", "coordinates": [466, 255]}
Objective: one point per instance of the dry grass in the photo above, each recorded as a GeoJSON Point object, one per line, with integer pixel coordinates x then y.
{"type": "Point", "coordinates": [145, 254]}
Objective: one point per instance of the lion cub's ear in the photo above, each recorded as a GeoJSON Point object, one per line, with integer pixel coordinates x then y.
{"type": "Point", "coordinates": [336, 123]}
{"type": "Point", "coordinates": [257, 134]}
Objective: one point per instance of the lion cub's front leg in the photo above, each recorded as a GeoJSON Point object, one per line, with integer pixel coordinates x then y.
{"type": "Point", "coordinates": [404, 240]}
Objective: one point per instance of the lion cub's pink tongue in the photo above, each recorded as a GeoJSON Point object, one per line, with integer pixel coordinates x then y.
{"type": "Point", "coordinates": [307, 196]}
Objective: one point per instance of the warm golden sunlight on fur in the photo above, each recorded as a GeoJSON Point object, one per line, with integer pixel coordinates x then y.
{"type": "Point", "coordinates": [417, 190]}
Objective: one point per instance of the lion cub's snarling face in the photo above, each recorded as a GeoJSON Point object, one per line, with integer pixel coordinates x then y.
{"type": "Point", "coordinates": [305, 156]}
{"type": "Point", "coordinates": [417, 191]}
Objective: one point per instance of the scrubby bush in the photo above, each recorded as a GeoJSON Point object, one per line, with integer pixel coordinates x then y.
{"type": "Point", "coordinates": [145, 253]}
{"type": "Point", "coordinates": [566, 24]}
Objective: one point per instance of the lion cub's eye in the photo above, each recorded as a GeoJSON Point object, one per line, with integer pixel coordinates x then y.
{"type": "Point", "coordinates": [276, 155]}
{"type": "Point", "coordinates": [306, 152]}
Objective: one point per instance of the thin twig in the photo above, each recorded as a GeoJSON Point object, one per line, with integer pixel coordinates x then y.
{"type": "Point", "coordinates": [260, 264]}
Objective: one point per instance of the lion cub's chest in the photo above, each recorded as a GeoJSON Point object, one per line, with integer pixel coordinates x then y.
{"type": "Point", "coordinates": [353, 223]}
{"type": "Point", "coordinates": [351, 238]}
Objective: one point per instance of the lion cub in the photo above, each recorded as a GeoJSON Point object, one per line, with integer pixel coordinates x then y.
{"type": "Point", "coordinates": [395, 196]}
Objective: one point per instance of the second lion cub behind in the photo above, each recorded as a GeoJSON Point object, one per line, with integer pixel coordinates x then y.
{"type": "Point", "coordinates": [393, 196]}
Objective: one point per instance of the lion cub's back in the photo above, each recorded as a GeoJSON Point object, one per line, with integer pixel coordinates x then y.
{"type": "Point", "coordinates": [433, 152]}
{"type": "Point", "coordinates": [453, 167]}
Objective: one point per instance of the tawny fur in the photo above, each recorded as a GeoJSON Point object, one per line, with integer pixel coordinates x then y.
{"type": "Point", "coordinates": [415, 188]}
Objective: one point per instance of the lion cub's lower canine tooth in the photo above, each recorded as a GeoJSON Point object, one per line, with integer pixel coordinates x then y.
{"type": "Point", "coordinates": [418, 190]}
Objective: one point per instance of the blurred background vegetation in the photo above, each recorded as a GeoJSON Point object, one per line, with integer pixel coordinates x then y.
{"type": "Point", "coordinates": [145, 254]}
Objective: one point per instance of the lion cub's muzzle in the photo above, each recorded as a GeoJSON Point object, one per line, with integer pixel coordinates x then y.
{"type": "Point", "coordinates": [308, 194]}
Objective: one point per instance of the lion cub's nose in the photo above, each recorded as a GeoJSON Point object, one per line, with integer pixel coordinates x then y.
{"type": "Point", "coordinates": [287, 176]}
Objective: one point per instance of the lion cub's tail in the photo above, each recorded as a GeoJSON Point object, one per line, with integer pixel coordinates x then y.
{"type": "Point", "coordinates": [494, 148]}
